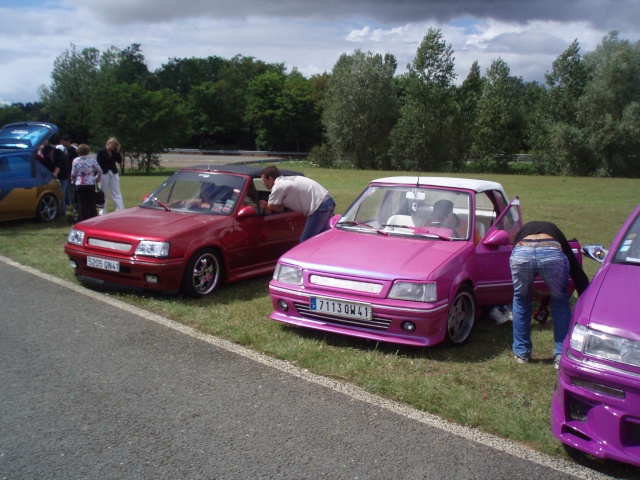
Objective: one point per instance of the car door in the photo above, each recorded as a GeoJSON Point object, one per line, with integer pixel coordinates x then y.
{"type": "Point", "coordinates": [259, 240]}
{"type": "Point", "coordinates": [18, 192]}
{"type": "Point", "coordinates": [493, 279]}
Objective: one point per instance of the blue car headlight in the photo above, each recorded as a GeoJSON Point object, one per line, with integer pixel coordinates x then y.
{"type": "Point", "coordinates": [605, 346]}
{"type": "Point", "coordinates": [149, 248]}
{"type": "Point", "coordinates": [414, 291]}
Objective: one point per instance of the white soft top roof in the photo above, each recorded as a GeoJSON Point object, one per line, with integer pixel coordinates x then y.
{"type": "Point", "coordinates": [466, 183]}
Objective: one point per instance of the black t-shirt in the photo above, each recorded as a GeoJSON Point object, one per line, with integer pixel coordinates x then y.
{"type": "Point", "coordinates": [60, 161]}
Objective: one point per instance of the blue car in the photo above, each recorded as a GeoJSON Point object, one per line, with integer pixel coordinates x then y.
{"type": "Point", "coordinates": [27, 188]}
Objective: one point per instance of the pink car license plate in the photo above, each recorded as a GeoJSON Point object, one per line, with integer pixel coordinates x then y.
{"type": "Point", "coordinates": [341, 308]}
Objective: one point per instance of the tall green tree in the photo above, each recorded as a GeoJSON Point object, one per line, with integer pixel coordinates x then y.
{"type": "Point", "coordinates": [299, 114]}
{"type": "Point", "coordinates": [499, 126]}
{"type": "Point", "coordinates": [263, 110]}
{"type": "Point", "coordinates": [217, 109]}
{"type": "Point", "coordinates": [467, 97]}
{"type": "Point", "coordinates": [558, 137]}
{"type": "Point", "coordinates": [610, 104]}
{"type": "Point", "coordinates": [182, 75]}
{"type": "Point", "coordinates": [423, 138]}
{"type": "Point", "coordinates": [67, 101]}
{"type": "Point", "coordinates": [360, 109]}
{"type": "Point", "coordinates": [158, 121]}
{"type": "Point", "coordinates": [125, 66]}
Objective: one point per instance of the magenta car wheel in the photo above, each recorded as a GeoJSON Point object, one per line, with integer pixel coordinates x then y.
{"type": "Point", "coordinates": [202, 275]}
{"type": "Point", "coordinates": [462, 316]}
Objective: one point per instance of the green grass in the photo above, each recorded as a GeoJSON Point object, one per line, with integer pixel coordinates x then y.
{"type": "Point", "coordinates": [478, 385]}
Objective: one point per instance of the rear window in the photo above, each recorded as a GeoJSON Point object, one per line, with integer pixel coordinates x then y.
{"type": "Point", "coordinates": [14, 167]}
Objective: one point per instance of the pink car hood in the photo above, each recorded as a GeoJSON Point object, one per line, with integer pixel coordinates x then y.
{"type": "Point", "coordinates": [147, 223]}
{"type": "Point", "coordinates": [372, 255]}
{"type": "Point", "coordinates": [616, 303]}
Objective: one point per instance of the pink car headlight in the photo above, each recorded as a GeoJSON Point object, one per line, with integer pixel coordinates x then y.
{"type": "Point", "coordinates": [415, 292]}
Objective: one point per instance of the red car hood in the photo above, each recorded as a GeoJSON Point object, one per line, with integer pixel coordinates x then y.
{"type": "Point", "coordinates": [371, 255]}
{"type": "Point", "coordinates": [616, 303]}
{"type": "Point", "coordinates": [146, 222]}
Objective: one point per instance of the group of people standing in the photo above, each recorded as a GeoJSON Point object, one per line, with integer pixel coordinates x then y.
{"type": "Point", "coordinates": [80, 174]}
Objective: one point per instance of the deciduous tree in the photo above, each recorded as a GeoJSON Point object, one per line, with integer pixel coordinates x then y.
{"type": "Point", "coordinates": [360, 109]}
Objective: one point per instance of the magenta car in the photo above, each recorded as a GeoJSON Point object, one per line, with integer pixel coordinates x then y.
{"type": "Point", "coordinates": [596, 404]}
{"type": "Point", "coordinates": [412, 261]}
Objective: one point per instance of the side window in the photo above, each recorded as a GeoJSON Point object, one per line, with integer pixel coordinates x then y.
{"type": "Point", "coordinates": [510, 222]}
{"type": "Point", "coordinates": [485, 213]}
{"type": "Point", "coordinates": [500, 200]}
{"type": "Point", "coordinates": [15, 167]}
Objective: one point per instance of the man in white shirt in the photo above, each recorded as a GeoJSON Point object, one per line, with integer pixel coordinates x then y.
{"type": "Point", "coordinates": [300, 194]}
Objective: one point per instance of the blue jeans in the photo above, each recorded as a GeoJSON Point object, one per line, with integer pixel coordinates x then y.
{"type": "Point", "coordinates": [318, 221]}
{"type": "Point", "coordinates": [553, 266]}
{"type": "Point", "coordinates": [66, 192]}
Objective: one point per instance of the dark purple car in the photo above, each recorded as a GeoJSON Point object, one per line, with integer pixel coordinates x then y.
{"type": "Point", "coordinates": [596, 404]}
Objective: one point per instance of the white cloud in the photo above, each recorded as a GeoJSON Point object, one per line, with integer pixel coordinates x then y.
{"type": "Point", "coordinates": [303, 34]}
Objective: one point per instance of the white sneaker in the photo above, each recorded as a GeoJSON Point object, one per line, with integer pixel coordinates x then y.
{"type": "Point", "coordinates": [506, 311]}
{"type": "Point", "coordinates": [497, 316]}
{"type": "Point", "coordinates": [556, 361]}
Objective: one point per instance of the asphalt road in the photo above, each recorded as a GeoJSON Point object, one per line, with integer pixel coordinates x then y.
{"type": "Point", "coordinates": [92, 388]}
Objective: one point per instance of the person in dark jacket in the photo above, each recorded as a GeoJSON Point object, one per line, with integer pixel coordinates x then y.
{"type": "Point", "coordinates": [109, 158]}
{"type": "Point", "coordinates": [63, 158]}
{"type": "Point", "coordinates": [540, 248]}
{"type": "Point", "coordinates": [47, 158]}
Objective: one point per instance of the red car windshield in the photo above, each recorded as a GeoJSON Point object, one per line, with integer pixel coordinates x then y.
{"type": "Point", "coordinates": [197, 192]}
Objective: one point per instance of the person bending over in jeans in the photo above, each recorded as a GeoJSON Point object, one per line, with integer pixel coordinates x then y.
{"type": "Point", "coordinates": [540, 248]}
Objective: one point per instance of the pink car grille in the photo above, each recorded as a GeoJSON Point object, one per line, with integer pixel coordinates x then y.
{"type": "Point", "coordinates": [376, 323]}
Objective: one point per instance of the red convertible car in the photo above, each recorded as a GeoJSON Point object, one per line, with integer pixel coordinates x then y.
{"type": "Point", "coordinates": [202, 226]}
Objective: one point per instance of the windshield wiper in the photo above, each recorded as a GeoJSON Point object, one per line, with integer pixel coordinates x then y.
{"type": "Point", "coordinates": [358, 224]}
{"type": "Point", "coordinates": [419, 230]}
{"type": "Point", "coordinates": [155, 199]}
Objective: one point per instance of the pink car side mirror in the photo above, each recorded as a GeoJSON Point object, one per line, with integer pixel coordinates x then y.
{"type": "Point", "coordinates": [334, 220]}
{"type": "Point", "coordinates": [496, 238]}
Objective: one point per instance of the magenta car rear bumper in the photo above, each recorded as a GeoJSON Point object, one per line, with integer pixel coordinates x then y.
{"type": "Point", "coordinates": [596, 409]}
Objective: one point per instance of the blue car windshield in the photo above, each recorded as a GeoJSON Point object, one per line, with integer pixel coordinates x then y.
{"type": "Point", "coordinates": [629, 249]}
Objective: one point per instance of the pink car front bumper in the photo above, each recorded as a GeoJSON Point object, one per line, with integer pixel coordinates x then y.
{"type": "Point", "coordinates": [386, 324]}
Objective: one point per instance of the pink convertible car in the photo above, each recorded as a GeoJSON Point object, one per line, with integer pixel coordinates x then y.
{"type": "Point", "coordinates": [411, 262]}
{"type": "Point", "coordinates": [596, 404]}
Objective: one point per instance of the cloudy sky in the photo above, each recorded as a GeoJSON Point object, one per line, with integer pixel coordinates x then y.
{"type": "Point", "coordinates": [305, 34]}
